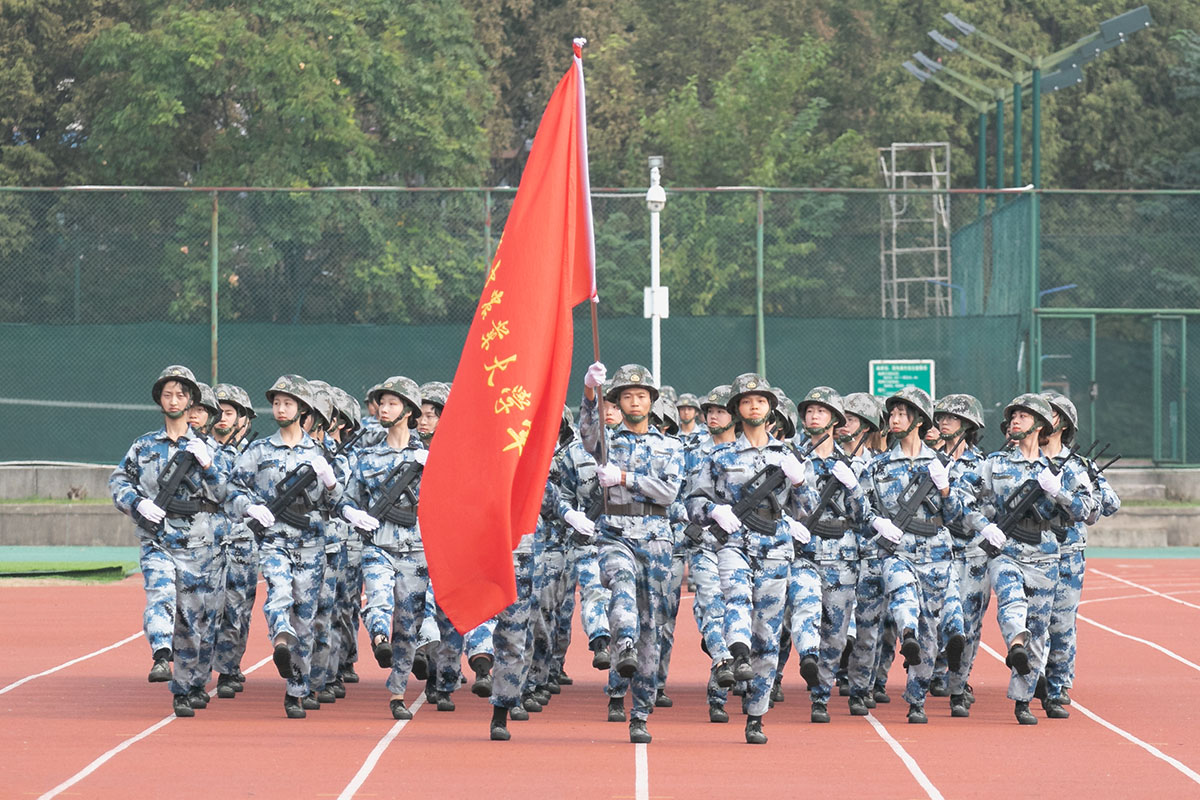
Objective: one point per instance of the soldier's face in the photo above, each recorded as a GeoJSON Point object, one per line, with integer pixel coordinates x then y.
{"type": "Point", "coordinates": [717, 417]}
{"type": "Point", "coordinates": [197, 416]}
{"type": "Point", "coordinates": [391, 408]}
{"type": "Point", "coordinates": [372, 409]}
{"type": "Point", "coordinates": [1020, 422]}
{"type": "Point", "coordinates": [816, 416]}
{"type": "Point", "coordinates": [612, 413]}
{"type": "Point", "coordinates": [899, 419]}
{"type": "Point", "coordinates": [284, 406]}
{"type": "Point", "coordinates": [852, 427]}
{"type": "Point", "coordinates": [949, 425]}
{"type": "Point", "coordinates": [229, 417]}
{"type": "Point", "coordinates": [635, 402]}
{"type": "Point", "coordinates": [754, 406]}
{"type": "Point", "coordinates": [686, 414]}
{"type": "Point", "coordinates": [428, 421]}
{"type": "Point", "coordinates": [174, 397]}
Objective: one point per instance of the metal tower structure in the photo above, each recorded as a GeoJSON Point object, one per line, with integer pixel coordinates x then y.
{"type": "Point", "coordinates": [914, 235]}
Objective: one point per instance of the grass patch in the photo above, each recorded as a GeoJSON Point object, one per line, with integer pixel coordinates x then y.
{"type": "Point", "coordinates": [1159, 504]}
{"type": "Point", "coordinates": [55, 501]}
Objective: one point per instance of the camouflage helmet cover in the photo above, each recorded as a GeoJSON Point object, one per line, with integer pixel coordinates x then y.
{"type": "Point", "coordinates": [294, 386]}
{"type": "Point", "coordinates": [567, 418]}
{"type": "Point", "coordinates": [791, 416]}
{"type": "Point", "coordinates": [825, 396]}
{"type": "Point", "coordinates": [1034, 404]}
{"type": "Point", "coordinates": [1063, 405]}
{"type": "Point", "coordinates": [750, 383]}
{"type": "Point", "coordinates": [347, 406]}
{"type": "Point", "coordinates": [666, 411]}
{"type": "Point", "coordinates": [668, 391]}
{"type": "Point", "coordinates": [864, 406]}
{"type": "Point", "coordinates": [916, 397]}
{"type": "Point", "coordinates": [324, 404]}
{"type": "Point", "coordinates": [183, 375]}
{"type": "Point", "coordinates": [208, 398]}
{"type": "Point", "coordinates": [435, 393]}
{"type": "Point", "coordinates": [236, 396]}
{"type": "Point", "coordinates": [404, 388]}
{"type": "Point", "coordinates": [632, 376]}
{"type": "Point", "coordinates": [718, 396]}
{"type": "Point", "coordinates": [961, 405]}
{"type": "Point", "coordinates": [688, 400]}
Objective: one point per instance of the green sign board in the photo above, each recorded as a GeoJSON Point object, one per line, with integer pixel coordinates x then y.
{"type": "Point", "coordinates": [887, 376]}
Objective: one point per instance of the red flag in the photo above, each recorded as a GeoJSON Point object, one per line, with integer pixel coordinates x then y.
{"type": "Point", "coordinates": [483, 484]}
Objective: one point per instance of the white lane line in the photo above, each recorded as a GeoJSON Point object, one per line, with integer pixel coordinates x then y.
{"type": "Point", "coordinates": [1124, 734]}
{"type": "Point", "coordinates": [70, 663]}
{"type": "Point", "coordinates": [1142, 596]}
{"type": "Point", "coordinates": [930, 790]}
{"type": "Point", "coordinates": [1144, 588]}
{"type": "Point", "coordinates": [99, 762]}
{"type": "Point", "coordinates": [373, 758]}
{"type": "Point", "coordinates": [641, 772]}
{"type": "Point", "coordinates": [1146, 642]}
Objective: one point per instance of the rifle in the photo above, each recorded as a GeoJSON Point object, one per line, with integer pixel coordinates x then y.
{"type": "Point", "coordinates": [1021, 503]}
{"type": "Point", "coordinates": [1093, 470]}
{"type": "Point", "coordinates": [293, 485]}
{"type": "Point", "coordinates": [771, 478]}
{"type": "Point", "coordinates": [914, 494]}
{"type": "Point", "coordinates": [396, 488]}
{"type": "Point", "coordinates": [246, 441]}
{"type": "Point", "coordinates": [832, 485]}
{"type": "Point", "coordinates": [177, 472]}
{"type": "Point", "coordinates": [342, 447]}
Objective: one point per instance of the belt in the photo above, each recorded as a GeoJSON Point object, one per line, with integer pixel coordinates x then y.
{"type": "Point", "coordinates": [829, 529]}
{"type": "Point", "coordinates": [922, 528]}
{"type": "Point", "coordinates": [636, 510]}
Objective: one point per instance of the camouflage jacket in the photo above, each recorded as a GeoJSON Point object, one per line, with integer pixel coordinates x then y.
{"type": "Point", "coordinates": [368, 482]}
{"type": "Point", "coordinates": [256, 475]}
{"type": "Point", "coordinates": [847, 508]}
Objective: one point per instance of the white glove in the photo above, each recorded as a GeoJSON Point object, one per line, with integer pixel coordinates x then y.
{"type": "Point", "coordinates": [939, 473]}
{"type": "Point", "coordinates": [421, 456]}
{"type": "Point", "coordinates": [993, 535]}
{"type": "Point", "coordinates": [845, 476]}
{"type": "Point", "coordinates": [1051, 484]}
{"type": "Point", "coordinates": [793, 469]}
{"type": "Point", "coordinates": [359, 518]}
{"type": "Point", "coordinates": [580, 522]}
{"type": "Point", "coordinates": [608, 475]}
{"type": "Point", "coordinates": [887, 529]}
{"type": "Point", "coordinates": [150, 510]}
{"type": "Point", "coordinates": [595, 376]}
{"type": "Point", "coordinates": [798, 530]}
{"type": "Point", "coordinates": [261, 514]}
{"type": "Point", "coordinates": [200, 450]}
{"type": "Point", "coordinates": [324, 471]}
{"type": "Point", "coordinates": [723, 515]}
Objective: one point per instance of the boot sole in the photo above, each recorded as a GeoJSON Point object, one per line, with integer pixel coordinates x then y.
{"type": "Point", "coordinates": [808, 671]}
{"type": "Point", "coordinates": [954, 651]}
{"type": "Point", "coordinates": [283, 661]}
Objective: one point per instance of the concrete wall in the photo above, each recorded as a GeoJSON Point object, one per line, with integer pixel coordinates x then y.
{"type": "Point", "coordinates": [75, 525]}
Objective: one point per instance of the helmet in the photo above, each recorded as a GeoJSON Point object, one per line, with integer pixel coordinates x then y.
{"type": "Point", "coordinates": [404, 388]}
{"type": "Point", "coordinates": [719, 396]}
{"type": "Point", "coordinates": [435, 393]}
{"type": "Point", "coordinates": [632, 376]}
{"type": "Point", "coordinates": [236, 396]}
{"type": "Point", "coordinates": [961, 405]}
{"type": "Point", "coordinates": [1033, 403]}
{"type": "Point", "coordinates": [294, 386]}
{"type": "Point", "coordinates": [917, 398]}
{"type": "Point", "coordinates": [666, 411]}
{"type": "Point", "coordinates": [668, 391]}
{"type": "Point", "coordinates": [370, 392]}
{"type": "Point", "coordinates": [1066, 411]}
{"type": "Point", "coordinates": [175, 372]}
{"type": "Point", "coordinates": [208, 399]}
{"type": "Point", "coordinates": [567, 418]}
{"type": "Point", "coordinates": [825, 396]}
{"type": "Point", "coordinates": [750, 383]}
{"type": "Point", "coordinates": [789, 417]}
{"type": "Point", "coordinates": [324, 406]}
{"type": "Point", "coordinates": [688, 400]}
{"type": "Point", "coordinates": [864, 406]}
{"type": "Point", "coordinates": [347, 406]}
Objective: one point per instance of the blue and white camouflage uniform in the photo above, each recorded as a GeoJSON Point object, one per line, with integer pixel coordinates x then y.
{"type": "Point", "coordinates": [870, 607]}
{"type": "Point", "coordinates": [753, 566]}
{"type": "Point", "coordinates": [328, 644]}
{"type": "Point", "coordinates": [291, 558]}
{"type": "Point", "coordinates": [579, 491]}
{"type": "Point", "coordinates": [1024, 574]}
{"type": "Point", "coordinates": [971, 568]}
{"type": "Point", "coordinates": [176, 560]}
{"type": "Point", "coordinates": [635, 549]}
{"type": "Point", "coordinates": [240, 588]}
{"type": "Point", "coordinates": [919, 578]}
{"type": "Point", "coordinates": [550, 585]}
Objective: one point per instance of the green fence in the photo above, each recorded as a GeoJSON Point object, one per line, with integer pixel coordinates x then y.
{"type": "Point", "coordinates": [99, 288]}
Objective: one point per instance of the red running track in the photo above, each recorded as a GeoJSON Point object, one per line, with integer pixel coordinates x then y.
{"type": "Point", "coordinates": [1129, 735]}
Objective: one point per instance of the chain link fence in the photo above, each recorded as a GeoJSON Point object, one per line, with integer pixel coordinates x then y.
{"type": "Point", "coordinates": [101, 287]}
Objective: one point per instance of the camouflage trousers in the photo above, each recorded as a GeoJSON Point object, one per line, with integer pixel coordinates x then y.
{"type": "Point", "coordinates": [804, 607]}
{"type": "Point", "coordinates": [445, 662]}
{"type": "Point", "coordinates": [638, 573]}
{"type": "Point", "coordinates": [239, 593]}
{"type": "Point", "coordinates": [550, 575]}
{"type": "Point", "coordinates": [666, 633]}
{"type": "Point", "coordinates": [395, 584]}
{"type": "Point", "coordinates": [293, 576]}
{"type": "Point", "coordinates": [349, 602]}
{"type": "Point", "coordinates": [177, 585]}
{"type": "Point", "coordinates": [1024, 586]}
{"type": "Point", "coordinates": [975, 589]}
{"type": "Point", "coordinates": [919, 596]}
{"type": "Point", "coordinates": [1060, 658]}
{"type": "Point", "coordinates": [839, 586]}
{"type": "Point", "coordinates": [708, 606]}
{"type": "Point", "coordinates": [565, 618]}
{"type": "Point", "coordinates": [479, 640]}
{"type": "Point", "coordinates": [870, 602]}
{"type": "Point", "coordinates": [594, 598]}
{"type": "Point", "coordinates": [327, 636]}
{"type": "Point", "coordinates": [755, 592]}
{"type": "Point", "coordinates": [509, 638]}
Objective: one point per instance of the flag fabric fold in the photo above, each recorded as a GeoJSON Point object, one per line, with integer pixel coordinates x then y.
{"type": "Point", "coordinates": [483, 483]}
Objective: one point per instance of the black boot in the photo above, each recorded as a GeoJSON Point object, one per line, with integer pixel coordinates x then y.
{"type": "Point", "coordinates": [858, 706]}
{"type": "Point", "coordinates": [1054, 709]}
{"type": "Point", "coordinates": [310, 702]}
{"type": "Point", "coordinates": [638, 733]}
{"type": "Point", "coordinates": [938, 687]}
{"type": "Point", "coordinates": [1024, 715]}
{"type": "Point", "coordinates": [754, 731]}
{"type": "Point", "coordinates": [723, 675]}
{"type": "Point", "coordinates": [627, 661]}
{"type": "Point", "coordinates": [910, 649]}
{"type": "Point", "coordinates": [482, 666]}
{"type": "Point", "coordinates": [348, 674]}
{"type": "Point", "coordinates": [954, 651]}
{"type": "Point", "coordinates": [959, 706]}
{"type": "Point", "coordinates": [1018, 659]}
{"type": "Point", "coordinates": [662, 701]}
{"type": "Point", "coordinates": [616, 709]}
{"type": "Point", "coordinates": [500, 724]}
{"type": "Point", "coordinates": [717, 713]}
{"type": "Point", "coordinates": [916, 714]}
{"type": "Point", "coordinates": [282, 656]}
{"type": "Point", "coordinates": [226, 686]}
{"type": "Point", "coordinates": [160, 671]}
{"type": "Point", "coordinates": [383, 653]}
{"type": "Point", "coordinates": [809, 671]}
{"type": "Point", "coordinates": [399, 710]}
{"type": "Point", "coordinates": [182, 707]}
{"type": "Point", "coordinates": [820, 713]}
{"type": "Point", "coordinates": [742, 671]}
{"type": "Point", "coordinates": [197, 697]}
{"type": "Point", "coordinates": [600, 657]}
{"type": "Point", "coordinates": [293, 708]}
